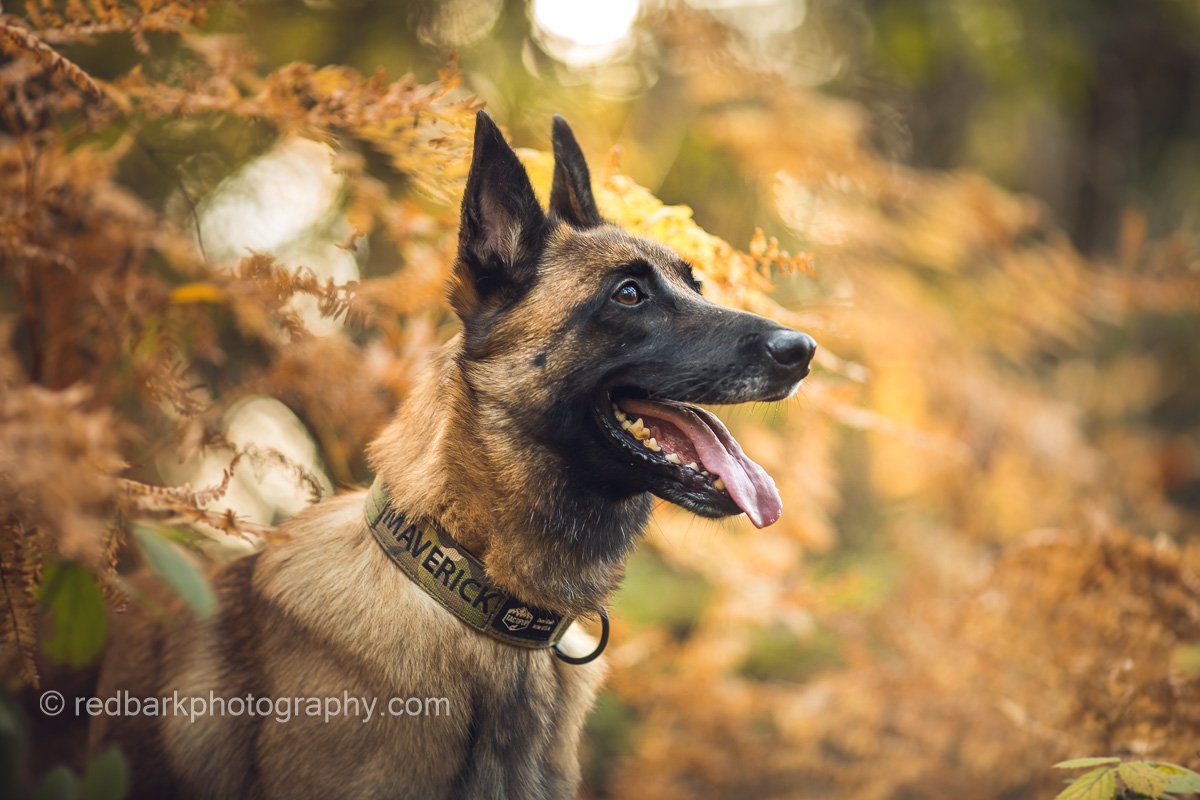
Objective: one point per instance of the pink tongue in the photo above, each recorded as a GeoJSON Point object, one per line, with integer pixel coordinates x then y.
{"type": "Point", "coordinates": [747, 483]}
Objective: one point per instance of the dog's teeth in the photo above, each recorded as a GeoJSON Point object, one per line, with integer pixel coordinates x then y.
{"type": "Point", "coordinates": [674, 459]}
{"type": "Point", "coordinates": [692, 466]}
{"type": "Point", "coordinates": [705, 473]}
{"type": "Point", "coordinates": [626, 424]}
{"type": "Point", "coordinates": [640, 430]}
{"type": "Point", "coordinates": [652, 443]}
{"type": "Point", "coordinates": [719, 484]}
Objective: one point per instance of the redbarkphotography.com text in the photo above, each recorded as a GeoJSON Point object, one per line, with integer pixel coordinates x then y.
{"type": "Point", "coordinates": [281, 709]}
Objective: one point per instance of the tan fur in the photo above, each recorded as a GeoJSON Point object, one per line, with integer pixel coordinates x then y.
{"type": "Point", "coordinates": [323, 614]}
{"type": "Point", "coordinates": [326, 613]}
{"type": "Point", "coordinates": [444, 447]}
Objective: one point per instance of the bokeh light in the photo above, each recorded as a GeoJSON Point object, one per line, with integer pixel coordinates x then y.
{"type": "Point", "coordinates": [286, 203]}
{"type": "Point", "coordinates": [583, 34]}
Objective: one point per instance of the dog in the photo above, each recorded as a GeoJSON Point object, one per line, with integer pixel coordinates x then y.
{"type": "Point", "coordinates": [510, 488]}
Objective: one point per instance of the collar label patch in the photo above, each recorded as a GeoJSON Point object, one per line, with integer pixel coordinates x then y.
{"type": "Point", "coordinates": [430, 556]}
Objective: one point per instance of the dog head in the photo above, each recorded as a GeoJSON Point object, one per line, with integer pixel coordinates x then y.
{"type": "Point", "coordinates": [592, 345]}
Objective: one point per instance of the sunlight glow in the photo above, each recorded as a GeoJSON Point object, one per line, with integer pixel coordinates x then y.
{"type": "Point", "coordinates": [286, 202]}
{"type": "Point", "coordinates": [756, 18]}
{"type": "Point", "coordinates": [583, 33]}
{"type": "Point", "coordinates": [263, 489]}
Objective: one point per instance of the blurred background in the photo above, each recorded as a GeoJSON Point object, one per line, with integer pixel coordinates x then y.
{"type": "Point", "coordinates": [224, 231]}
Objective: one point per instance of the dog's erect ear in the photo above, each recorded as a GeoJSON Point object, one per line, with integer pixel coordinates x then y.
{"type": "Point", "coordinates": [503, 228]}
{"type": "Point", "coordinates": [571, 195]}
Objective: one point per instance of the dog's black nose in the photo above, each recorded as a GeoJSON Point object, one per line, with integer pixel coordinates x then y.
{"type": "Point", "coordinates": [792, 349]}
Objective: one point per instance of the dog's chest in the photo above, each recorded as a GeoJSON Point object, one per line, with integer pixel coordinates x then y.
{"type": "Point", "coordinates": [457, 714]}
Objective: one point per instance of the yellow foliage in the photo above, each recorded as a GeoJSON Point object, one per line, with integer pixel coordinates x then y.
{"type": "Point", "coordinates": [977, 420]}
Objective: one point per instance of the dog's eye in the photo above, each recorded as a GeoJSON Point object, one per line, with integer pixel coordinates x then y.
{"type": "Point", "coordinates": [629, 294]}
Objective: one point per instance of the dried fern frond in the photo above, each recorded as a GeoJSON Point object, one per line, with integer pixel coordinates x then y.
{"type": "Point", "coordinates": [20, 564]}
{"type": "Point", "coordinates": [81, 20]}
{"type": "Point", "coordinates": [58, 466]}
{"type": "Point", "coordinates": [181, 507]}
{"type": "Point", "coordinates": [17, 38]}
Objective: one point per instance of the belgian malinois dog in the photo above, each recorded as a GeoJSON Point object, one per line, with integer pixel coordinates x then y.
{"type": "Point", "coordinates": [510, 488]}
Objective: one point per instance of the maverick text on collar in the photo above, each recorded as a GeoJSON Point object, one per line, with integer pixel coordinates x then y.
{"type": "Point", "coordinates": [430, 556]}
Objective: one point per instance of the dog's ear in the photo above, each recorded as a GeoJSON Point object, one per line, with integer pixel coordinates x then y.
{"type": "Point", "coordinates": [571, 195]}
{"type": "Point", "coordinates": [503, 228]}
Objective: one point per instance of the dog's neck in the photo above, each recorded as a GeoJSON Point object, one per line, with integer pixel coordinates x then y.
{"type": "Point", "coordinates": [553, 544]}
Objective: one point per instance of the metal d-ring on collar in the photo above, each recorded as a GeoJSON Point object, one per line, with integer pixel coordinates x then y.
{"type": "Point", "coordinates": [592, 656]}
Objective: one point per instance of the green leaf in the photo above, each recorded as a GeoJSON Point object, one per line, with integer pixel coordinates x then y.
{"type": "Point", "coordinates": [1080, 763]}
{"type": "Point", "coordinates": [77, 609]}
{"type": "Point", "coordinates": [1179, 779]}
{"type": "Point", "coordinates": [1167, 768]}
{"type": "Point", "coordinates": [174, 568]}
{"type": "Point", "coordinates": [10, 727]}
{"type": "Point", "coordinates": [1099, 784]}
{"type": "Point", "coordinates": [57, 784]}
{"type": "Point", "coordinates": [106, 778]}
{"type": "Point", "coordinates": [1183, 784]}
{"type": "Point", "coordinates": [1143, 778]}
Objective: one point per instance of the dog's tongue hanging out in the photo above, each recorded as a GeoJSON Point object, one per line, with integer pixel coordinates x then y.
{"type": "Point", "coordinates": [694, 434]}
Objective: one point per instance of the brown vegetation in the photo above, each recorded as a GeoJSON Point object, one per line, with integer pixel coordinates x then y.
{"type": "Point", "coordinates": [987, 402]}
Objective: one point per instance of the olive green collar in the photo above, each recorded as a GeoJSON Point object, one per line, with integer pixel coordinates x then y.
{"type": "Point", "coordinates": [429, 555]}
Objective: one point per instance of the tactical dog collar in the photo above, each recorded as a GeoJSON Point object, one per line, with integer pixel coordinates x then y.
{"type": "Point", "coordinates": [430, 556]}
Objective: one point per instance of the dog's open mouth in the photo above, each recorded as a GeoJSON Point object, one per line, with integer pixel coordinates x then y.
{"type": "Point", "coordinates": [695, 449]}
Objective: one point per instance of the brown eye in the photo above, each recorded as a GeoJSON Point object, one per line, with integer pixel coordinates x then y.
{"type": "Point", "coordinates": [629, 294]}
